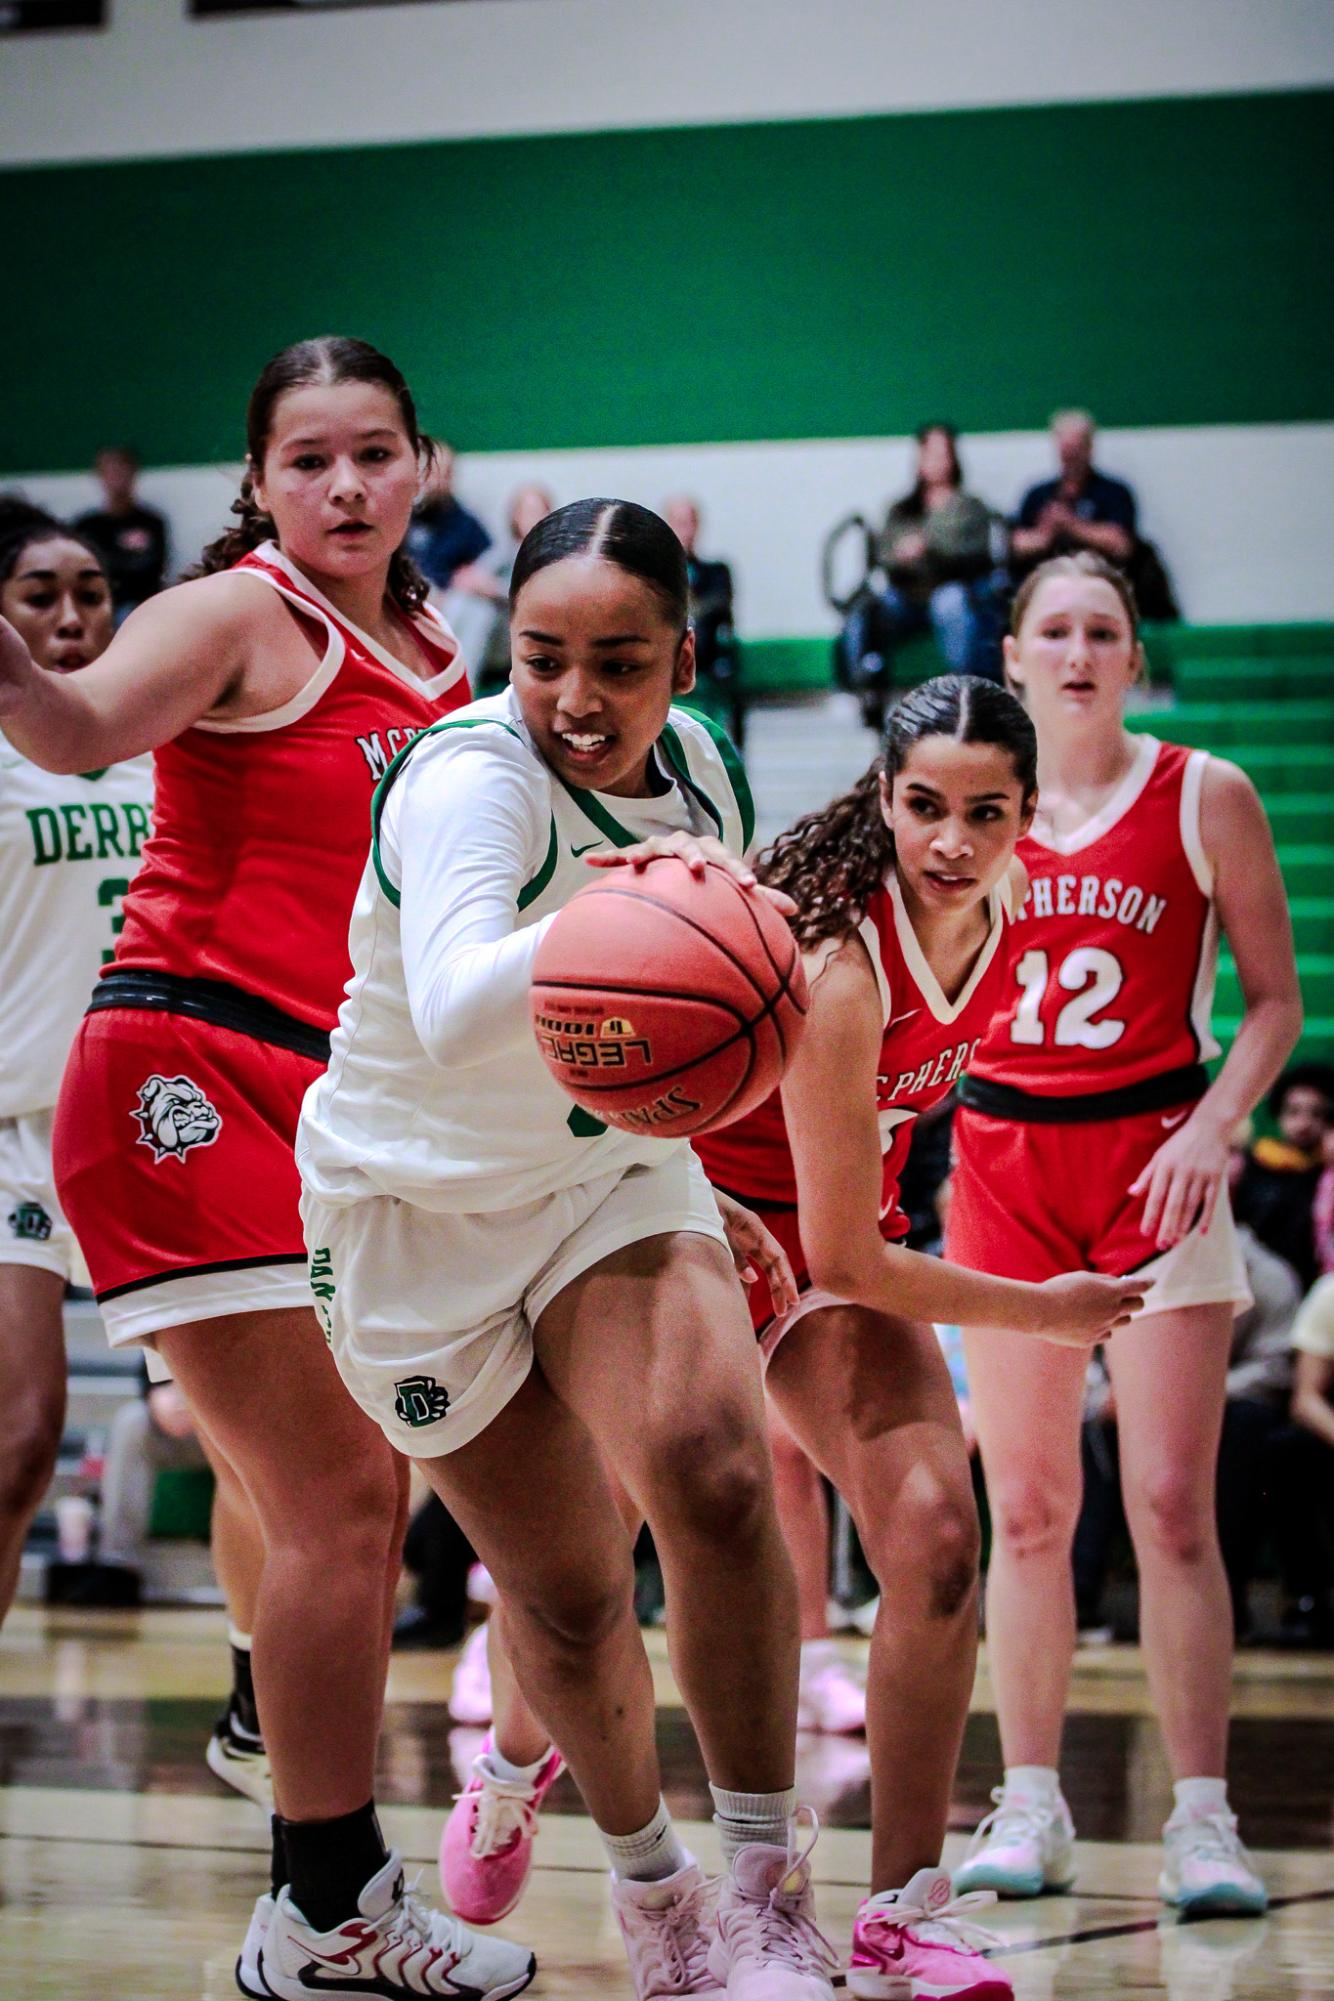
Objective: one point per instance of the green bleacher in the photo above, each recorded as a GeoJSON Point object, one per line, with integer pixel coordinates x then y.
{"type": "Point", "coordinates": [1264, 696]}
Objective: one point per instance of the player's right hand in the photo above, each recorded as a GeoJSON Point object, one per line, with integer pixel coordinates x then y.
{"type": "Point", "coordinates": [1084, 1307]}
{"type": "Point", "coordinates": [16, 669]}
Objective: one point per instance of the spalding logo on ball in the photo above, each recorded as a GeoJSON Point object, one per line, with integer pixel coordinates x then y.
{"type": "Point", "coordinates": [667, 1005]}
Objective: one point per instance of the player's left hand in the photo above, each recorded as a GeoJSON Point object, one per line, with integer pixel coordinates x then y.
{"type": "Point", "coordinates": [696, 851]}
{"type": "Point", "coordinates": [1181, 1184]}
{"type": "Point", "coordinates": [756, 1251]}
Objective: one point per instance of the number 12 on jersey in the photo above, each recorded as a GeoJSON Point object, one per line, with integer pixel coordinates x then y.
{"type": "Point", "coordinates": [1092, 976]}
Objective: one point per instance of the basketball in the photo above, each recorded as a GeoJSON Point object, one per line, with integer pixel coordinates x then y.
{"type": "Point", "coordinates": [665, 1004]}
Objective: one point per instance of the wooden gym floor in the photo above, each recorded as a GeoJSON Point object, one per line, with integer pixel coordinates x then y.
{"type": "Point", "coordinates": [127, 1873]}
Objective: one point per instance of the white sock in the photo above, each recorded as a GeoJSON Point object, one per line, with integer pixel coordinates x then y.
{"type": "Point", "coordinates": [241, 1641]}
{"type": "Point", "coordinates": [817, 1654]}
{"type": "Point", "coordinates": [1039, 1783]}
{"type": "Point", "coordinates": [743, 1818]}
{"type": "Point", "coordinates": [1200, 1797]}
{"type": "Point", "coordinates": [500, 1767]}
{"type": "Point", "coordinates": [649, 1856]}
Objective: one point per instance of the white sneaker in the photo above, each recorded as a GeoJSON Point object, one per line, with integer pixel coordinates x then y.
{"type": "Point", "coordinates": [767, 1946]}
{"type": "Point", "coordinates": [667, 1927]}
{"type": "Point", "coordinates": [1205, 1867]}
{"type": "Point", "coordinates": [395, 1946]}
{"type": "Point", "coordinates": [1025, 1847]}
{"type": "Point", "coordinates": [248, 1977]}
{"type": "Point", "coordinates": [832, 1701]}
{"type": "Point", "coordinates": [470, 1693]}
{"type": "Point", "coordinates": [239, 1759]}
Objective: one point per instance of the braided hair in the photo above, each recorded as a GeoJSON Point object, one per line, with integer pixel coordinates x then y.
{"type": "Point", "coordinates": [331, 359]}
{"type": "Point", "coordinates": [832, 861]}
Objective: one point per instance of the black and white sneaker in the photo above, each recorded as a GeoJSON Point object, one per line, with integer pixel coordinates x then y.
{"type": "Point", "coordinates": [394, 1946]}
{"type": "Point", "coordinates": [247, 1966]}
{"type": "Point", "coordinates": [237, 1756]}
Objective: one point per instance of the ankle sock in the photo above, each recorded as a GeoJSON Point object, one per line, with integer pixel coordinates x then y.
{"type": "Point", "coordinates": [1197, 1798]}
{"type": "Point", "coordinates": [330, 1862]}
{"type": "Point", "coordinates": [1039, 1783]}
{"type": "Point", "coordinates": [277, 1857]}
{"type": "Point", "coordinates": [244, 1711]}
{"type": "Point", "coordinates": [500, 1767]}
{"type": "Point", "coordinates": [744, 1818]}
{"type": "Point", "coordinates": [649, 1856]}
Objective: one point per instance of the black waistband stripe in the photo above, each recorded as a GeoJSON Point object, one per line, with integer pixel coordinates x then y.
{"type": "Point", "coordinates": [212, 1001]}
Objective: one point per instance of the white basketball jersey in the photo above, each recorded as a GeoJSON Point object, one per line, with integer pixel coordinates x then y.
{"type": "Point", "coordinates": [489, 1134]}
{"type": "Point", "coordinates": [68, 848]}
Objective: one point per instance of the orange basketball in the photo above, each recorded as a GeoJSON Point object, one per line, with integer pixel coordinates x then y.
{"type": "Point", "coordinates": [666, 1005]}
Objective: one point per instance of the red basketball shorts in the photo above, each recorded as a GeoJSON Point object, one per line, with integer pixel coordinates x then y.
{"type": "Point", "coordinates": [784, 1224]}
{"type": "Point", "coordinates": [1030, 1201]}
{"type": "Point", "coordinates": [173, 1159]}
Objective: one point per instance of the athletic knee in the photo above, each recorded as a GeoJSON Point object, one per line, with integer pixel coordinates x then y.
{"type": "Point", "coordinates": [712, 1483]}
{"type": "Point", "coordinates": [29, 1446]}
{"type": "Point", "coordinates": [571, 1617]}
{"type": "Point", "coordinates": [928, 1549]}
{"type": "Point", "coordinates": [1031, 1519]}
{"type": "Point", "coordinates": [354, 1519]}
{"type": "Point", "coordinates": [1173, 1516]}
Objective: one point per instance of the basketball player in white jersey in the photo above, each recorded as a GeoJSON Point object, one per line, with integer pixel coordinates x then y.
{"type": "Point", "coordinates": [521, 1297]}
{"type": "Point", "coordinates": [69, 846]}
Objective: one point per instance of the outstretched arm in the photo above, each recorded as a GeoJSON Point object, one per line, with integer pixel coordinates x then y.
{"type": "Point", "coordinates": [169, 664]}
{"type": "Point", "coordinates": [829, 1101]}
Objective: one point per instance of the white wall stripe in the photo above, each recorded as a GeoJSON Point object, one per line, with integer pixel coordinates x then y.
{"type": "Point", "coordinates": [1241, 511]}
{"type": "Point", "coordinates": [158, 84]}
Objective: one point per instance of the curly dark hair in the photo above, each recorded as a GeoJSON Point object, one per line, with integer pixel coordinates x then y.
{"type": "Point", "coordinates": [832, 861]}
{"type": "Point", "coordinates": [333, 358]}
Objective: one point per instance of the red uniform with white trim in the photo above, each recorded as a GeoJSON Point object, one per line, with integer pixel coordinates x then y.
{"type": "Point", "coordinates": [1098, 1054]}
{"type": "Point", "coordinates": [928, 1043]}
{"type": "Point", "coordinates": [177, 1115]}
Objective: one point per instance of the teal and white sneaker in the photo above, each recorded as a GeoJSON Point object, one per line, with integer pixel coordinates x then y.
{"type": "Point", "coordinates": [1206, 1869]}
{"type": "Point", "coordinates": [1024, 1848]}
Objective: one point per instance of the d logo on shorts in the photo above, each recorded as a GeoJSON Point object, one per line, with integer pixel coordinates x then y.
{"type": "Point", "coordinates": [31, 1222]}
{"type": "Point", "coordinates": [420, 1400]}
{"type": "Point", "coordinates": [173, 1116]}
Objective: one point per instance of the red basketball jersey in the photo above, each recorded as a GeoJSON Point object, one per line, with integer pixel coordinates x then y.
{"type": "Point", "coordinates": [1112, 958]}
{"type": "Point", "coordinates": [261, 827]}
{"type": "Point", "coordinates": [928, 1043]}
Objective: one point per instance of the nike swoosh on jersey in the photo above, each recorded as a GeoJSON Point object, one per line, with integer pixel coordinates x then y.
{"type": "Point", "coordinates": [1174, 1120]}
{"type": "Point", "coordinates": [576, 852]}
{"type": "Point", "coordinates": [899, 1019]}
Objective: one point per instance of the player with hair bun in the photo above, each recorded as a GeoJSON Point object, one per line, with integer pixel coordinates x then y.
{"type": "Point", "coordinates": [524, 1299]}
{"type": "Point", "coordinates": [1090, 1135]}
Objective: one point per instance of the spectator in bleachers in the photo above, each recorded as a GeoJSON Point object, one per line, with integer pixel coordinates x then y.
{"type": "Point", "coordinates": [475, 604]}
{"type": "Point", "coordinates": [443, 535]}
{"type": "Point", "coordinates": [1310, 1470]}
{"type": "Point", "coordinates": [131, 537]}
{"type": "Point", "coordinates": [1276, 1191]}
{"type": "Point", "coordinates": [1081, 508]}
{"type": "Point", "coordinates": [936, 552]}
{"type": "Point", "coordinates": [717, 655]}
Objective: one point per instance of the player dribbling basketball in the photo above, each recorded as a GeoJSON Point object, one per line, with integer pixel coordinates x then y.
{"type": "Point", "coordinates": [517, 1296]}
{"type": "Point", "coordinates": [1090, 1134]}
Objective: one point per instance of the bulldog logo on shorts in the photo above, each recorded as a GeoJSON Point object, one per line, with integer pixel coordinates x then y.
{"type": "Point", "coordinates": [420, 1400]}
{"type": "Point", "coordinates": [173, 1116]}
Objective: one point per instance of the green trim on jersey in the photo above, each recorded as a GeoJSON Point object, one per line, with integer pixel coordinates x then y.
{"type": "Point", "coordinates": [381, 793]}
{"type": "Point", "coordinates": [532, 890]}
{"type": "Point", "coordinates": [735, 770]}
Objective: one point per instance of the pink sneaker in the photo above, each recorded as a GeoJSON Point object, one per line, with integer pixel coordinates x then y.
{"type": "Point", "coordinates": [768, 1946]}
{"type": "Point", "coordinates": [832, 1701]}
{"type": "Point", "coordinates": [486, 1850]}
{"type": "Point", "coordinates": [470, 1693]}
{"type": "Point", "coordinates": [667, 1927]}
{"type": "Point", "coordinates": [913, 1943]}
